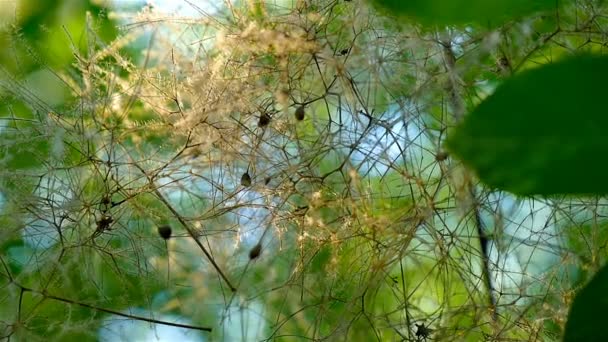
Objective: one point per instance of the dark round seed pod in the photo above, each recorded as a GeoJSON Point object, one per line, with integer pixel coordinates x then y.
{"type": "Point", "coordinates": [441, 156]}
{"type": "Point", "coordinates": [422, 331]}
{"type": "Point", "coordinates": [104, 223]}
{"type": "Point", "coordinates": [255, 251]}
{"type": "Point", "coordinates": [164, 232]}
{"type": "Point", "coordinates": [264, 120]}
{"type": "Point", "coordinates": [344, 52]}
{"type": "Point", "coordinates": [300, 113]}
{"type": "Point", "coordinates": [246, 179]}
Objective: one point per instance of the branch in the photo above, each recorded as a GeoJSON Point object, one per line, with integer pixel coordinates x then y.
{"type": "Point", "coordinates": [458, 109]}
{"type": "Point", "coordinates": [185, 224]}
{"type": "Point", "coordinates": [192, 234]}
{"type": "Point", "coordinates": [118, 313]}
{"type": "Point", "coordinates": [485, 253]}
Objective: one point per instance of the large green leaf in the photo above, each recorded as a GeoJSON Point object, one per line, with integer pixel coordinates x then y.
{"type": "Point", "coordinates": [542, 132]}
{"type": "Point", "coordinates": [588, 312]}
{"type": "Point", "coordinates": [483, 12]}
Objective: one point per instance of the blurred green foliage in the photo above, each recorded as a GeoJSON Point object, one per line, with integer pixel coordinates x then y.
{"type": "Point", "coordinates": [361, 253]}
{"type": "Point", "coordinates": [450, 12]}
{"type": "Point", "coordinates": [541, 132]}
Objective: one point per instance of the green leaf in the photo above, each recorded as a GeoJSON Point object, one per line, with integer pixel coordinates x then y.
{"type": "Point", "coordinates": [542, 132]}
{"type": "Point", "coordinates": [587, 315]}
{"type": "Point", "coordinates": [483, 12]}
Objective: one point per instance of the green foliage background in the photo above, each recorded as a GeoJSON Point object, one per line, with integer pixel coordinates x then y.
{"type": "Point", "coordinates": [116, 120]}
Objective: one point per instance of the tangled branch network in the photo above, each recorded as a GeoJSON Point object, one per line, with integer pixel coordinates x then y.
{"type": "Point", "coordinates": [274, 171]}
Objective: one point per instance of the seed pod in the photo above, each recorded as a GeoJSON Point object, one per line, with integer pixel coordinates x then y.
{"type": "Point", "coordinates": [264, 120]}
{"type": "Point", "coordinates": [164, 232]}
{"type": "Point", "coordinates": [104, 223]}
{"type": "Point", "coordinates": [422, 331]}
{"type": "Point", "coordinates": [246, 179]}
{"type": "Point", "coordinates": [255, 251]}
{"type": "Point", "coordinates": [441, 156]}
{"type": "Point", "coordinates": [300, 113]}
{"type": "Point", "coordinates": [267, 180]}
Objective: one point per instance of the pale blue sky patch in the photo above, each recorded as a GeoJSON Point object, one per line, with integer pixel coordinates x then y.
{"type": "Point", "coordinates": [119, 329]}
{"type": "Point", "coordinates": [507, 276]}
{"type": "Point", "coordinates": [523, 243]}
{"type": "Point", "coordinates": [53, 200]}
{"type": "Point", "coordinates": [244, 322]}
{"type": "Point", "coordinates": [387, 145]}
{"type": "Point", "coordinates": [40, 234]}
{"type": "Point", "coordinates": [191, 9]}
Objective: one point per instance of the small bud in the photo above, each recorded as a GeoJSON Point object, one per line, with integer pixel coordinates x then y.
{"type": "Point", "coordinates": [264, 120]}
{"type": "Point", "coordinates": [104, 223]}
{"type": "Point", "coordinates": [422, 331]}
{"type": "Point", "coordinates": [441, 156]}
{"type": "Point", "coordinates": [300, 113]}
{"type": "Point", "coordinates": [164, 232]}
{"type": "Point", "coordinates": [267, 180]}
{"type": "Point", "coordinates": [255, 251]}
{"type": "Point", "coordinates": [246, 179]}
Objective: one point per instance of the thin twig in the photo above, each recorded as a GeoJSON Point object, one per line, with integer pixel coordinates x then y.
{"type": "Point", "coordinates": [118, 313]}
{"type": "Point", "coordinates": [189, 229]}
